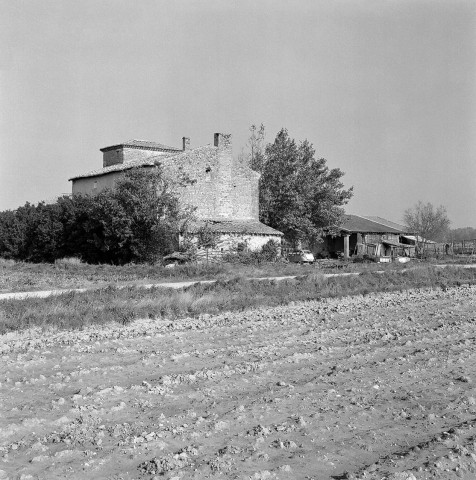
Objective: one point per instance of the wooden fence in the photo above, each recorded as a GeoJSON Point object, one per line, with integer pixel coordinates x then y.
{"type": "Point", "coordinates": [465, 247]}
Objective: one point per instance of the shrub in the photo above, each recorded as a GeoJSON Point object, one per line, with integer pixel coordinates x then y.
{"type": "Point", "coordinates": [270, 251]}
{"type": "Point", "coordinates": [138, 220]}
{"type": "Point", "coordinates": [362, 259]}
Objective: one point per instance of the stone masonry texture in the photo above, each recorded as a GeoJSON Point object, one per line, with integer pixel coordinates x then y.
{"type": "Point", "coordinates": [223, 187]}
{"type": "Point", "coordinates": [127, 154]}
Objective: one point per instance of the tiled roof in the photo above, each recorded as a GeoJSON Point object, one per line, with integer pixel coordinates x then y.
{"type": "Point", "coordinates": [118, 167]}
{"type": "Point", "coordinates": [388, 223]}
{"type": "Point", "coordinates": [418, 238]}
{"type": "Point", "coordinates": [143, 144]}
{"type": "Point", "coordinates": [148, 162]}
{"type": "Point", "coordinates": [234, 226]}
{"type": "Point", "coordinates": [360, 224]}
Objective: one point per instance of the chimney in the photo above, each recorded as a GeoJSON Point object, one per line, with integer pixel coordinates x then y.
{"type": "Point", "coordinates": [223, 141]}
{"type": "Point", "coordinates": [185, 143]}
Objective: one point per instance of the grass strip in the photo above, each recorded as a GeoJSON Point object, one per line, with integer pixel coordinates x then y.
{"type": "Point", "coordinates": [77, 310]}
{"type": "Point", "coordinates": [22, 276]}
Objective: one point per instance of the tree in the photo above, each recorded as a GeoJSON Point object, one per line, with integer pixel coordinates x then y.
{"type": "Point", "coordinates": [11, 235]}
{"type": "Point", "coordinates": [30, 232]}
{"type": "Point", "coordinates": [253, 153]}
{"type": "Point", "coordinates": [299, 194]}
{"type": "Point", "coordinates": [138, 220]}
{"type": "Point", "coordinates": [45, 234]}
{"type": "Point", "coordinates": [256, 146]}
{"type": "Point", "coordinates": [465, 233]}
{"type": "Point", "coordinates": [427, 222]}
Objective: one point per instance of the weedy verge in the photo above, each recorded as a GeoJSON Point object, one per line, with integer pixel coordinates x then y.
{"type": "Point", "coordinates": [77, 310]}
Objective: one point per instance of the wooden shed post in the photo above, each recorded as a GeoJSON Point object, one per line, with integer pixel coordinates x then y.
{"type": "Point", "coordinates": [346, 246]}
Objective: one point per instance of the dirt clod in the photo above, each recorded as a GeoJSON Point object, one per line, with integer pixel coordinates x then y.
{"type": "Point", "coordinates": [370, 387]}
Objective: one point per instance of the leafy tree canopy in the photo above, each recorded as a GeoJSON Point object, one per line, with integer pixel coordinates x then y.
{"type": "Point", "coordinates": [138, 220]}
{"type": "Point", "coordinates": [299, 194]}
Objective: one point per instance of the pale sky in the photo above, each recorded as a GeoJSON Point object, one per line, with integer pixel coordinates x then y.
{"type": "Point", "coordinates": [385, 90]}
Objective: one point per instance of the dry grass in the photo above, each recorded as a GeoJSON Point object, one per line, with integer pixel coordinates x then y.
{"type": "Point", "coordinates": [76, 310]}
{"type": "Point", "coordinates": [71, 273]}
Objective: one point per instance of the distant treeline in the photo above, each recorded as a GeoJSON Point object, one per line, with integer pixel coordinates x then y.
{"type": "Point", "coordinates": [137, 221]}
{"type": "Point", "coordinates": [460, 234]}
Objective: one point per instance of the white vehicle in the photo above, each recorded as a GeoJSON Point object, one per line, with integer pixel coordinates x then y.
{"type": "Point", "coordinates": [301, 256]}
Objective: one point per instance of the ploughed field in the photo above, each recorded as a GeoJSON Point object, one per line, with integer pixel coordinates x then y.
{"type": "Point", "coordinates": [380, 386]}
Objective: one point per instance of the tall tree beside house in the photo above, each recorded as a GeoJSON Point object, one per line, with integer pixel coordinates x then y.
{"type": "Point", "coordinates": [299, 194]}
{"type": "Point", "coordinates": [427, 222]}
{"type": "Point", "coordinates": [139, 220]}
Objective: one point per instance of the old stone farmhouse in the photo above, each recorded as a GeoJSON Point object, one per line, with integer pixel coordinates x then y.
{"type": "Point", "coordinates": [224, 192]}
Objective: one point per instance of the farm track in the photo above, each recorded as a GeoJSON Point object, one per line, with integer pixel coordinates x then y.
{"type": "Point", "coordinates": [186, 284]}
{"type": "Point", "coordinates": [372, 387]}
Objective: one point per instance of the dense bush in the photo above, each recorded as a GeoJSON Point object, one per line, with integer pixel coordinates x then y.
{"type": "Point", "coordinates": [36, 233]}
{"type": "Point", "coordinates": [136, 221]}
{"type": "Point", "coordinates": [269, 252]}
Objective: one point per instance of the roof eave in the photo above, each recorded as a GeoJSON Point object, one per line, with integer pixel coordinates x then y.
{"type": "Point", "coordinates": [141, 147]}
{"type": "Point", "coordinates": [345, 230]}
{"type": "Point", "coordinates": [109, 172]}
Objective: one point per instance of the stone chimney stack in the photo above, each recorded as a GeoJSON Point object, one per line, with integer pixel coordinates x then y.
{"type": "Point", "coordinates": [224, 176]}
{"type": "Point", "coordinates": [223, 141]}
{"type": "Point", "coordinates": [185, 143]}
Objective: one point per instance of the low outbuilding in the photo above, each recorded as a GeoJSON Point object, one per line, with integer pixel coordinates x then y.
{"type": "Point", "coordinates": [373, 236]}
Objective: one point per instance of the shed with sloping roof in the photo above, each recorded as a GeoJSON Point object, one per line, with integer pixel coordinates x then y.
{"type": "Point", "coordinates": [368, 235]}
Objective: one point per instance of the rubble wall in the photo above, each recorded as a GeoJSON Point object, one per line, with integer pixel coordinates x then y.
{"type": "Point", "coordinates": [228, 242]}
{"type": "Point", "coordinates": [222, 188]}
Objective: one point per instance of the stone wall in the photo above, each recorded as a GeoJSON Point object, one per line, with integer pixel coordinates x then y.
{"type": "Point", "coordinates": [93, 185]}
{"type": "Point", "coordinates": [222, 188]}
{"type": "Point", "coordinates": [127, 154]}
{"type": "Point", "coordinates": [245, 188]}
{"type": "Point", "coordinates": [113, 157]}
{"type": "Point", "coordinates": [228, 242]}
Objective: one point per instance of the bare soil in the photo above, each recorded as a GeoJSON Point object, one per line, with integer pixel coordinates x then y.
{"type": "Point", "coordinates": [374, 387]}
